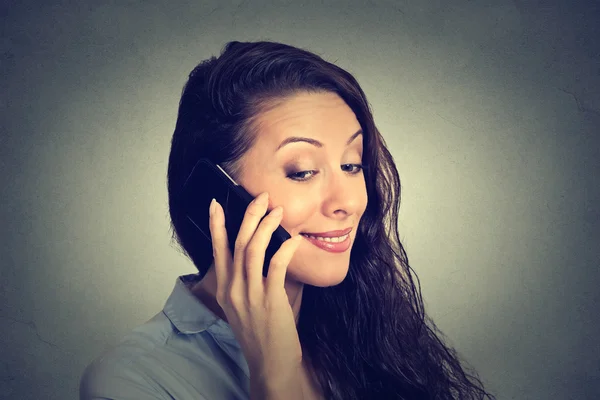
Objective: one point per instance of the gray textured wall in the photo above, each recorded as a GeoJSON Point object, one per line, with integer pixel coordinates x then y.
{"type": "Point", "coordinates": [491, 110]}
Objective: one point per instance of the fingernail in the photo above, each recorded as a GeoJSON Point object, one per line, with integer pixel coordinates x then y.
{"type": "Point", "coordinates": [211, 209]}
{"type": "Point", "coordinates": [276, 211]}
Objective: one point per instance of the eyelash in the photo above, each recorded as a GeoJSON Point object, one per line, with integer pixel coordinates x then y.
{"type": "Point", "coordinates": [360, 167]}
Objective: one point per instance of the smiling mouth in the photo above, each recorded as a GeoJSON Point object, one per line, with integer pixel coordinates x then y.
{"type": "Point", "coordinates": [327, 239]}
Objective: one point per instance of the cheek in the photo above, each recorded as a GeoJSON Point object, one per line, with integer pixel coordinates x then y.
{"type": "Point", "coordinates": [365, 202]}
{"type": "Point", "coordinates": [295, 214]}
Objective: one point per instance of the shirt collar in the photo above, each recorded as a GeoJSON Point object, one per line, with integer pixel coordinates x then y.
{"type": "Point", "coordinates": [185, 311]}
{"type": "Point", "coordinates": [189, 315]}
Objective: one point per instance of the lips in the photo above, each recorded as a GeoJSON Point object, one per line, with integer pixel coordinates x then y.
{"type": "Point", "coordinates": [331, 247]}
{"type": "Point", "coordinates": [330, 234]}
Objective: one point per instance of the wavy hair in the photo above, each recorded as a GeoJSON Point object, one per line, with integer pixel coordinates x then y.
{"type": "Point", "coordinates": [369, 336]}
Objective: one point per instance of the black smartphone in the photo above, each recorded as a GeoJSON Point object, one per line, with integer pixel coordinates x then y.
{"type": "Point", "coordinates": [207, 181]}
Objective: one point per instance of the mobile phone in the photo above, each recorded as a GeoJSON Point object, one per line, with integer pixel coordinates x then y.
{"type": "Point", "coordinates": [207, 181]}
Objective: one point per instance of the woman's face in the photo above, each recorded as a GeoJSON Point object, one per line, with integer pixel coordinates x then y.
{"type": "Point", "coordinates": [317, 188]}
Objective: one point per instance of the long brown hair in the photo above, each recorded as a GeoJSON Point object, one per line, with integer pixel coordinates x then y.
{"type": "Point", "coordinates": [368, 337]}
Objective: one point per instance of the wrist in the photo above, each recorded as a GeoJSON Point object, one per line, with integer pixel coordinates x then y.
{"type": "Point", "coordinates": [280, 385]}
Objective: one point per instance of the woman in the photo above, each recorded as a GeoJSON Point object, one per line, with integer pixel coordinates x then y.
{"type": "Point", "coordinates": [331, 321]}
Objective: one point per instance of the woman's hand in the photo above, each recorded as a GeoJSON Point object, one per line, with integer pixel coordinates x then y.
{"type": "Point", "coordinates": [257, 308]}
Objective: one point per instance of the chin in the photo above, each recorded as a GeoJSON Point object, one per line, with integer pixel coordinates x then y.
{"type": "Point", "coordinates": [322, 277]}
{"type": "Point", "coordinates": [326, 283]}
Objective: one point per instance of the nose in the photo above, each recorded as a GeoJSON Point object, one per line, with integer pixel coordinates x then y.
{"type": "Point", "coordinates": [343, 194]}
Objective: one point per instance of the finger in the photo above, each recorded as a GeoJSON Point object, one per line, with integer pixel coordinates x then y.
{"type": "Point", "coordinates": [254, 213]}
{"type": "Point", "coordinates": [279, 263]}
{"type": "Point", "coordinates": [257, 247]}
{"type": "Point", "coordinates": [220, 243]}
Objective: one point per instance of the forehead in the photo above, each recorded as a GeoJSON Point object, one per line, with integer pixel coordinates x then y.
{"type": "Point", "coordinates": [323, 116]}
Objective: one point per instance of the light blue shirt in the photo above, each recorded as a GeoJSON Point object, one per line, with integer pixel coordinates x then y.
{"type": "Point", "coordinates": [184, 352]}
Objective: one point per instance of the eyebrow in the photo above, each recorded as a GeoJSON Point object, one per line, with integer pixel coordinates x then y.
{"type": "Point", "coordinates": [314, 142]}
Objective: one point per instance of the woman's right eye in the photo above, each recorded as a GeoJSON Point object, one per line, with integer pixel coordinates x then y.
{"type": "Point", "coordinates": [297, 176]}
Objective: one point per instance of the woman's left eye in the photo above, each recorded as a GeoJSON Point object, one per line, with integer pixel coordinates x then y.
{"type": "Point", "coordinates": [298, 176]}
{"type": "Point", "coordinates": [359, 167]}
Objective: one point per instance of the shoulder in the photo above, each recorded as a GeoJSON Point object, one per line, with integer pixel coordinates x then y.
{"type": "Point", "coordinates": [111, 377]}
{"type": "Point", "coordinates": [154, 362]}
{"type": "Point", "coordinates": [119, 372]}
